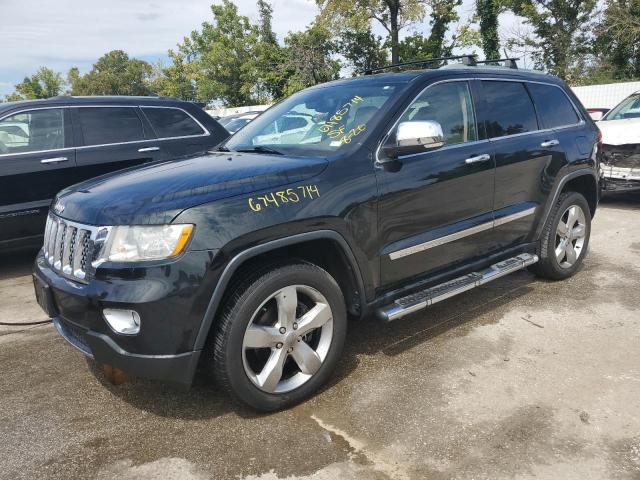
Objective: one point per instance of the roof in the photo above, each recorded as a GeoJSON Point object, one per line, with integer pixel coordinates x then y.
{"type": "Point", "coordinates": [455, 69]}
{"type": "Point", "coordinates": [94, 100]}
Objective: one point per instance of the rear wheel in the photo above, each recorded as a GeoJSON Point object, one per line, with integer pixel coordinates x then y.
{"type": "Point", "coordinates": [565, 238]}
{"type": "Point", "coordinates": [280, 336]}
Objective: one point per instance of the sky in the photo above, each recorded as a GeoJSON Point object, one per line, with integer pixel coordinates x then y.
{"type": "Point", "coordinates": [61, 34]}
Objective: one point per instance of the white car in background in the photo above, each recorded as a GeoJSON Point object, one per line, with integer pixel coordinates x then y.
{"type": "Point", "coordinates": [233, 123]}
{"type": "Point", "coordinates": [288, 129]}
{"type": "Point", "coordinates": [620, 129]}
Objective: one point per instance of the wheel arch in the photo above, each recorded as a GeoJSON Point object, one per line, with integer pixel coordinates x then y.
{"type": "Point", "coordinates": [583, 181]}
{"type": "Point", "coordinates": [304, 246]}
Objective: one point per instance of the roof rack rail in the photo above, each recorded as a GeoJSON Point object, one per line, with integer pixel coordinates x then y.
{"type": "Point", "coordinates": [466, 60]}
{"type": "Point", "coordinates": [508, 62]}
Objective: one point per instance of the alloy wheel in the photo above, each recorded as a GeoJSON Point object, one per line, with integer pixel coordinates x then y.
{"type": "Point", "coordinates": [570, 236]}
{"type": "Point", "coordinates": [287, 339]}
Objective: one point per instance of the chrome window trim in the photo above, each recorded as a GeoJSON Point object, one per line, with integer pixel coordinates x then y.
{"type": "Point", "coordinates": [82, 147]}
{"type": "Point", "coordinates": [468, 79]}
{"type": "Point", "coordinates": [421, 247]}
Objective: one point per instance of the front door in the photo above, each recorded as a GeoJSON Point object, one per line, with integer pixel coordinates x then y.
{"type": "Point", "coordinates": [435, 208]}
{"type": "Point", "coordinates": [36, 161]}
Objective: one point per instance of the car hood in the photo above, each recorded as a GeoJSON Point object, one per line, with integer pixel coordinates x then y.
{"type": "Point", "coordinates": [620, 132]}
{"type": "Point", "coordinates": [155, 194]}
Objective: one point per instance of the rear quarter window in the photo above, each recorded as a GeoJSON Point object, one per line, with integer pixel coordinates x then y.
{"type": "Point", "coordinates": [554, 108]}
{"type": "Point", "coordinates": [172, 122]}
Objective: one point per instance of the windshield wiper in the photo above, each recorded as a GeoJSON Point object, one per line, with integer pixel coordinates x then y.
{"type": "Point", "coordinates": [260, 149]}
{"type": "Point", "coordinates": [221, 148]}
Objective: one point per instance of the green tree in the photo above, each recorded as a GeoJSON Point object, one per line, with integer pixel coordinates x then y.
{"type": "Point", "coordinates": [393, 15]}
{"type": "Point", "coordinates": [269, 83]}
{"type": "Point", "coordinates": [561, 28]}
{"type": "Point", "coordinates": [617, 43]}
{"type": "Point", "coordinates": [114, 74]}
{"type": "Point", "coordinates": [417, 46]}
{"type": "Point", "coordinates": [361, 49]}
{"type": "Point", "coordinates": [308, 59]}
{"type": "Point", "coordinates": [221, 54]}
{"type": "Point", "coordinates": [177, 80]}
{"type": "Point", "coordinates": [44, 83]}
{"type": "Point", "coordinates": [487, 12]}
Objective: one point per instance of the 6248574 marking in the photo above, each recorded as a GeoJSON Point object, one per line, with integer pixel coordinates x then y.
{"type": "Point", "coordinates": [282, 197]}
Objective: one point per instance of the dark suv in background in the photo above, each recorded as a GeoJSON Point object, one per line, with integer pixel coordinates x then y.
{"type": "Point", "coordinates": [46, 145]}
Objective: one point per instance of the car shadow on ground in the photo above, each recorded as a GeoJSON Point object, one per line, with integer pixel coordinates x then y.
{"type": "Point", "coordinates": [17, 264]}
{"type": "Point", "coordinates": [367, 336]}
{"type": "Point", "coordinates": [624, 201]}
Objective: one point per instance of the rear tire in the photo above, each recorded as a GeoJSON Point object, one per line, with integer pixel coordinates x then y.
{"type": "Point", "coordinates": [279, 337]}
{"type": "Point", "coordinates": [565, 238]}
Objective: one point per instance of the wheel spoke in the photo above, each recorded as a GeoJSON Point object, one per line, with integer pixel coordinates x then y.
{"type": "Point", "coordinates": [563, 229]}
{"type": "Point", "coordinates": [578, 232]}
{"type": "Point", "coordinates": [572, 217]}
{"type": "Point", "coordinates": [272, 371]}
{"type": "Point", "coordinates": [287, 300]}
{"type": "Point", "coordinates": [560, 250]}
{"type": "Point", "coordinates": [571, 253]}
{"type": "Point", "coordinates": [306, 358]}
{"type": "Point", "coordinates": [314, 318]}
{"type": "Point", "coordinates": [261, 337]}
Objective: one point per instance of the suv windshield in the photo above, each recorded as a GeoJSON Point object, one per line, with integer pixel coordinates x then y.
{"type": "Point", "coordinates": [628, 108]}
{"type": "Point", "coordinates": [318, 121]}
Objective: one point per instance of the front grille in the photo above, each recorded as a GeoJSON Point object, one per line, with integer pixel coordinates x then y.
{"type": "Point", "coordinates": [70, 247]}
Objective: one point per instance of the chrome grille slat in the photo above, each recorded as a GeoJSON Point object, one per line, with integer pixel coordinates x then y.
{"type": "Point", "coordinates": [69, 246]}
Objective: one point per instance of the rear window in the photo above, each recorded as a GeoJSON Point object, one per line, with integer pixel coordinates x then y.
{"type": "Point", "coordinates": [106, 125]}
{"type": "Point", "coordinates": [509, 107]}
{"type": "Point", "coordinates": [554, 108]}
{"type": "Point", "coordinates": [172, 122]}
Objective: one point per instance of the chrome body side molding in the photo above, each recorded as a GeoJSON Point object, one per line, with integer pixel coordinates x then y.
{"type": "Point", "coordinates": [421, 247]}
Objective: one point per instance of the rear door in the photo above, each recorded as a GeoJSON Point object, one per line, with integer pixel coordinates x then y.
{"type": "Point", "coordinates": [111, 138]}
{"type": "Point", "coordinates": [37, 160]}
{"type": "Point", "coordinates": [526, 155]}
{"type": "Point", "coordinates": [178, 132]}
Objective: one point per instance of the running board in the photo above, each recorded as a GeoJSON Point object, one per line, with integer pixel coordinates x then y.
{"type": "Point", "coordinates": [417, 301]}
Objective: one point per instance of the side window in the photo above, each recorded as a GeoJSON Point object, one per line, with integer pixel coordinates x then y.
{"type": "Point", "coordinates": [171, 122]}
{"type": "Point", "coordinates": [291, 123]}
{"type": "Point", "coordinates": [105, 125]}
{"type": "Point", "coordinates": [509, 108]}
{"type": "Point", "coordinates": [554, 108]}
{"type": "Point", "coordinates": [32, 131]}
{"type": "Point", "coordinates": [450, 105]}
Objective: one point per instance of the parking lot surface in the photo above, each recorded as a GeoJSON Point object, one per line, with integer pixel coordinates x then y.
{"type": "Point", "coordinates": [521, 378]}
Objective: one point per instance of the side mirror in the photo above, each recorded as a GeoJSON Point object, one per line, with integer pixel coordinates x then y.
{"type": "Point", "coordinates": [415, 137]}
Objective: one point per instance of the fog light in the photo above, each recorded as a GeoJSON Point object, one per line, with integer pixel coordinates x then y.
{"type": "Point", "coordinates": [125, 322]}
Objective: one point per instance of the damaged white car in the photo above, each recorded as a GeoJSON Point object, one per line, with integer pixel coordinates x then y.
{"type": "Point", "coordinates": [620, 129]}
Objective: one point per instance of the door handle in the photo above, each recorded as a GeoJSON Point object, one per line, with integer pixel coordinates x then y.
{"type": "Point", "coordinates": [54, 160]}
{"type": "Point", "coordinates": [479, 158]}
{"type": "Point", "coordinates": [550, 143]}
{"type": "Point", "coordinates": [148, 149]}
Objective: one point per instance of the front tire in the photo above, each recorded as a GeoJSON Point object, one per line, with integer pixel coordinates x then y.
{"type": "Point", "coordinates": [279, 337]}
{"type": "Point", "coordinates": [565, 238]}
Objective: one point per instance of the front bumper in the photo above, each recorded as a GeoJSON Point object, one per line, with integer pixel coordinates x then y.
{"type": "Point", "coordinates": [621, 168]}
{"type": "Point", "coordinates": [171, 299]}
{"type": "Point", "coordinates": [169, 368]}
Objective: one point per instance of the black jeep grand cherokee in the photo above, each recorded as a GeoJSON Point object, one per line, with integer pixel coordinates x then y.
{"type": "Point", "coordinates": [407, 188]}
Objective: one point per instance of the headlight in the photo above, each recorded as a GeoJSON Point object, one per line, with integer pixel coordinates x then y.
{"type": "Point", "coordinates": [135, 243]}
